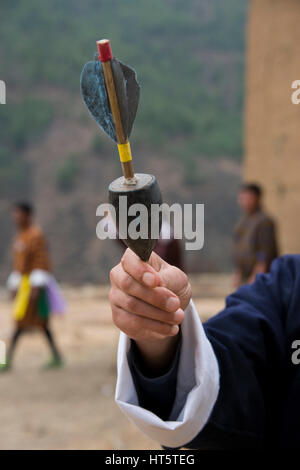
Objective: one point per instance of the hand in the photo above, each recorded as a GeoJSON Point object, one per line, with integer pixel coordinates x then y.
{"type": "Point", "coordinates": [148, 302]}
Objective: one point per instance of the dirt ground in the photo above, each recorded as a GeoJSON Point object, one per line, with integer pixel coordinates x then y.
{"type": "Point", "coordinates": [73, 407]}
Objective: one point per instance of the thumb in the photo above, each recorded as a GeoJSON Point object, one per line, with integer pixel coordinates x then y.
{"type": "Point", "coordinates": [173, 279]}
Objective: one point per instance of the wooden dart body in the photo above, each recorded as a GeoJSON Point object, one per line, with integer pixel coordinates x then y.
{"type": "Point", "coordinates": [111, 93]}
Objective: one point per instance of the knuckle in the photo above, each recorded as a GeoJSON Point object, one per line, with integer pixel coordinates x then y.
{"type": "Point", "coordinates": [173, 320]}
{"type": "Point", "coordinates": [126, 282]}
{"type": "Point", "coordinates": [179, 318]}
{"type": "Point", "coordinates": [130, 303]}
{"type": "Point", "coordinates": [186, 286]}
{"type": "Point", "coordinates": [112, 274]}
{"type": "Point", "coordinates": [125, 256]}
{"type": "Point", "coordinates": [111, 295]}
{"type": "Point", "coordinates": [161, 297]}
{"type": "Point", "coordinates": [185, 279]}
{"type": "Point", "coordinates": [179, 273]}
{"type": "Point", "coordinates": [115, 315]}
{"type": "Point", "coordinates": [134, 326]}
{"type": "Point", "coordinates": [167, 329]}
{"type": "Point", "coordinates": [187, 290]}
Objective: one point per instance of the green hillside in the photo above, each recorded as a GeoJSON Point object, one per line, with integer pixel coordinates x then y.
{"type": "Point", "coordinates": [188, 54]}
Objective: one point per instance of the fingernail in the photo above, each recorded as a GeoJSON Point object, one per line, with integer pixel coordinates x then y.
{"type": "Point", "coordinates": [178, 315]}
{"type": "Point", "coordinates": [149, 279]}
{"type": "Point", "coordinates": [174, 330]}
{"type": "Point", "coordinates": [172, 304]}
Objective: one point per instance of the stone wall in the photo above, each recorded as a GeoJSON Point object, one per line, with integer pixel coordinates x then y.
{"type": "Point", "coordinates": [272, 122]}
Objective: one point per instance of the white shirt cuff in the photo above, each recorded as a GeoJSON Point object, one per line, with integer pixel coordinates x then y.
{"type": "Point", "coordinates": [196, 392]}
{"type": "Point", "coordinates": [39, 278]}
{"type": "Point", "coordinates": [13, 281]}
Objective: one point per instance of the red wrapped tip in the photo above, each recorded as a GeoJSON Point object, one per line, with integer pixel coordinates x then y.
{"type": "Point", "coordinates": [104, 50]}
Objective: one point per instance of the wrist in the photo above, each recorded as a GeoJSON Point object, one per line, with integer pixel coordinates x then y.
{"type": "Point", "coordinates": [157, 355]}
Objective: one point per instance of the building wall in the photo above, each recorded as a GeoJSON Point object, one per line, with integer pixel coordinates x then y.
{"type": "Point", "coordinates": [272, 122]}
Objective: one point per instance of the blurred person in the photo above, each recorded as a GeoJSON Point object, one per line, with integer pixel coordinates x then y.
{"type": "Point", "coordinates": [231, 383]}
{"type": "Point", "coordinates": [33, 288]}
{"type": "Point", "coordinates": [254, 240]}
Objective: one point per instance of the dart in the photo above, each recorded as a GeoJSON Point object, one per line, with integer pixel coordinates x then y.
{"type": "Point", "coordinates": [111, 93]}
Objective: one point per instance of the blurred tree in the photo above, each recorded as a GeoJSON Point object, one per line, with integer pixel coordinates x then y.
{"type": "Point", "coordinates": [66, 175]}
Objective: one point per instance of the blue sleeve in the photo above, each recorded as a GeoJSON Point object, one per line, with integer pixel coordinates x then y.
{"type": "Point", "coordinates": [248, 338]}
{"type": "Point", "coordinates": [156, 394]}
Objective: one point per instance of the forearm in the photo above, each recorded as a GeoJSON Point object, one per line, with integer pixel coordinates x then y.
{"type": "Point", "coordinates": [157, 355]}
{"type": "Point", "coordinates": [156, 390]}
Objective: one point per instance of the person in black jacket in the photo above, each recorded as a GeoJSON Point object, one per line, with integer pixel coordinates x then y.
{"type": "Point", "coordinates": [234, 383]}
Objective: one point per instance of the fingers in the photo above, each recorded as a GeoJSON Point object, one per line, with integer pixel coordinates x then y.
{"type": "Point", "coordinates": [159, 274]}
{"type": "Point", "coordinates": [138, 307]}
{"type": "Point", "coordinates": [140, 270]}
{"type": "Point", "coordinates": [147, 301]}
{"type": "Point", "coordinates": [140, 328]}
{"type": "Point", "coordinates": [159, 297]}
